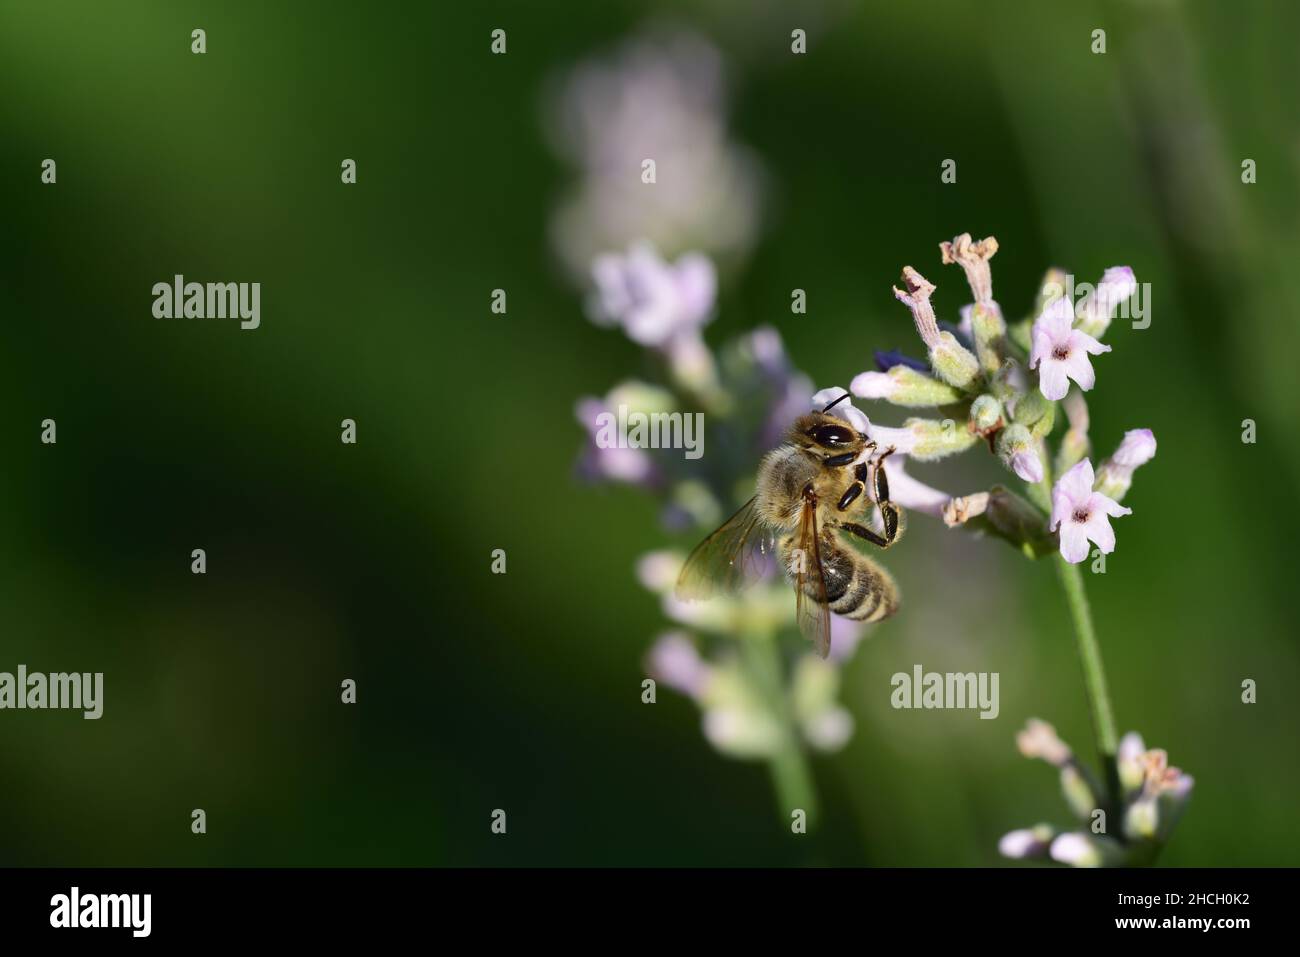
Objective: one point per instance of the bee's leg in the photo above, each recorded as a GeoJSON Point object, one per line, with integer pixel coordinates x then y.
{"type": "Point", "coordinates": [856, 488]}
{"type": "Point", "coordinates": [850, 495]}
{"type": "Point", "coordinates": [880, 484]}
{"type": "Point", "coordinates": [889, 516]}
{"type": "Point", "coordinates": [853, 528]}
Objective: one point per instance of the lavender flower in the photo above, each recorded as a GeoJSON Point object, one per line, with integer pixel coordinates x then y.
{"type": "Point", "coordinates": [654, 301]}
{"type": "Point", "coordinates": [980, 380]}
{"type": "Point", "coordinates": [674, 661]}
{"type": "Point", "coordinates": [1061, 352]}
{"type": "Point", "coordinates": [737, 718]}
{"type": "Point", "coordinates": [1027, 842]}
{"type": "Point", "coordinates": [1153, 796]}
{"type": "Point", "coordinates": [991, 397]}
{"type": "Point", "coordinates": [1117, 284]}
{"type": "Point", "coordinates": [661, 306]}
{"type": "Point", "coordinates": [1115, 475]}
{"type": "Point", "coordinates": [1081, 514]}
{"type": "Point", "coordinates": [660, 96]}
{"type": "Point", "coordinates": [603, 463]}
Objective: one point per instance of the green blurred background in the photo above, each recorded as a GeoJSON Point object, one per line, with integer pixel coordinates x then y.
{"type": "Point", "coordinates": [522, 691]}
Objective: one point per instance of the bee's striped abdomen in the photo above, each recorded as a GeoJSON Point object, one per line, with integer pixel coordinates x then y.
{"type": "Point", "coordinates": [870, 595]}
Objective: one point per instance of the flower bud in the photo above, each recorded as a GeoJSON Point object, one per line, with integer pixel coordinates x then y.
{"type": "Point", "coordinates": [737, 721]}
{"type": "Point", "coordinates": [1027, 843]}
{"type": "Point", "coordinates": [989, 331]}
{"type": "Point", "coordinates": [813, 691]}
{"type": "Point", "coordinates": [1117, 284]}
{"type": "Point", "coordinates": [1142, 818]}
{"type": "Point", "coordinates": [1039, 740]}
{"type": "Point", "coordinates": [903, 385]}
{"type": "Point", "coordinates": [1087, 850]}
{"type": "Point", "coordinates": [954, 363]}
{"type": "Point", "coordinates": [985, 413]}
{"type": "Point", "coordinates": [1078, 792]}
{"type": "Point", "coordinates": [1170, 804]}
{"type": "Point", "coordinates": [1129, 759]}
{"type": "Point", "coordinates": [1019, 522]}
{"type": "Point", "coordinates": [1115, 475]}
{"type": "Point", "coordinates": [1019, 452]}
{"type": "Point", "coordinates": [1035, 412]}
{"type": "Point", "coordinates": [926, 439]}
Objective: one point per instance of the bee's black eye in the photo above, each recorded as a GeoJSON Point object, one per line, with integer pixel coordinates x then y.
{"type": "Point", "coordinates": [832, 436]}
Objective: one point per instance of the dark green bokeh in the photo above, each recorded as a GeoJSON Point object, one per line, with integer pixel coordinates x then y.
{"type": "Point", "coordinates": [522, 692]}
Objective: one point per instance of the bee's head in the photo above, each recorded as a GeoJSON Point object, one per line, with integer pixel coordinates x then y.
{"type": "Point", "coordinates": [827, 435]}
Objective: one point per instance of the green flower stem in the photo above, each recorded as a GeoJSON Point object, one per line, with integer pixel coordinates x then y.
{"type": "Point", "coordinates": [1094, 676]}
{"type": "Point", "coordinates": [789, 765]}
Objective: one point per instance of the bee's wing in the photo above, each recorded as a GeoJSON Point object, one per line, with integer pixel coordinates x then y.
{"type": "Point", "coordinates": [738, 553]}
{"type": "Point", "coordinates": [812, 608]}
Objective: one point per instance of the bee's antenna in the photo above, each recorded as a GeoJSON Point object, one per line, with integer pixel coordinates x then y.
{"type": "Point", "coordinates": [835, 403]}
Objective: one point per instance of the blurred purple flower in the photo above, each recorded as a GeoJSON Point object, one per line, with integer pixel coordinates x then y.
{"type": "Point", "coordinates": [661, 97]}
{"type": "Point", "coordinates": [633, 466]}
{"type": "Point", "coordinates": [674, 660]}
{"type": "Point", "coordinates": [655, 302]}
{"type": "Point", "coordinates": [788, 391]}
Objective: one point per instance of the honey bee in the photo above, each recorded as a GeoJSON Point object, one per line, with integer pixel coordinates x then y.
{"type": "Point", "coordinates": [810, 490]}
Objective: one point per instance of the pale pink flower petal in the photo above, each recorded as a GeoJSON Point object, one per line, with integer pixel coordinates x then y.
{"type": "Point", "coordinates": [1061, 352]}
{"type": "Point", "coordinates": [697, 287]}
{"type": "Point", "coordinates": [903, 441]}
{"type": "Point", "coordinates": [872, 385]}
{"type": "Point", "coordinates": [1053, 381]}
{"type": "Point", "coordinates": [1074, 542]}
{"type": "Point", "coordinates": [856, 418]}
{"type": "Point", "coordinates": [844, 410]}
{"type": "Point", "coordinates": [653, 300]}
{"type": "Point", "coordinates": [1080, 514]}
{"type": "Point", "coordinates": [910, 493]}
{"type": "Point", "coordinates": [1027, 465]}
{"type": "Point", "coordinates": [1057, 319]}
{"type": "Point", "coordinates": [674, 661]}
{"type": "Point", "coordinates": [1117, 284]}
{"type": "Point", "coordinates": [1042, 349]}
{"type": "Point", "coordinates": [1137, 448]}
{"type": "Point", "coordinates": [1109, 506]}
{"type": "Point", "coordinates": [845, 636]}
{"type": "Point", "coordinates": [1097, 528]}
{"type": "Point", "coordinates": [1077, 367]}
{"type": "Point", "coordinates": [1076, 484]}
{"type": "Point", "coordinates": [1088, 343]}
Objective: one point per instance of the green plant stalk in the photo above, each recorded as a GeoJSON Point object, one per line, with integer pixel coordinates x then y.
{"type": "Point", "coordinates": [1094, 676]}
{"type": "Point", "coordinates": [791, 776]}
